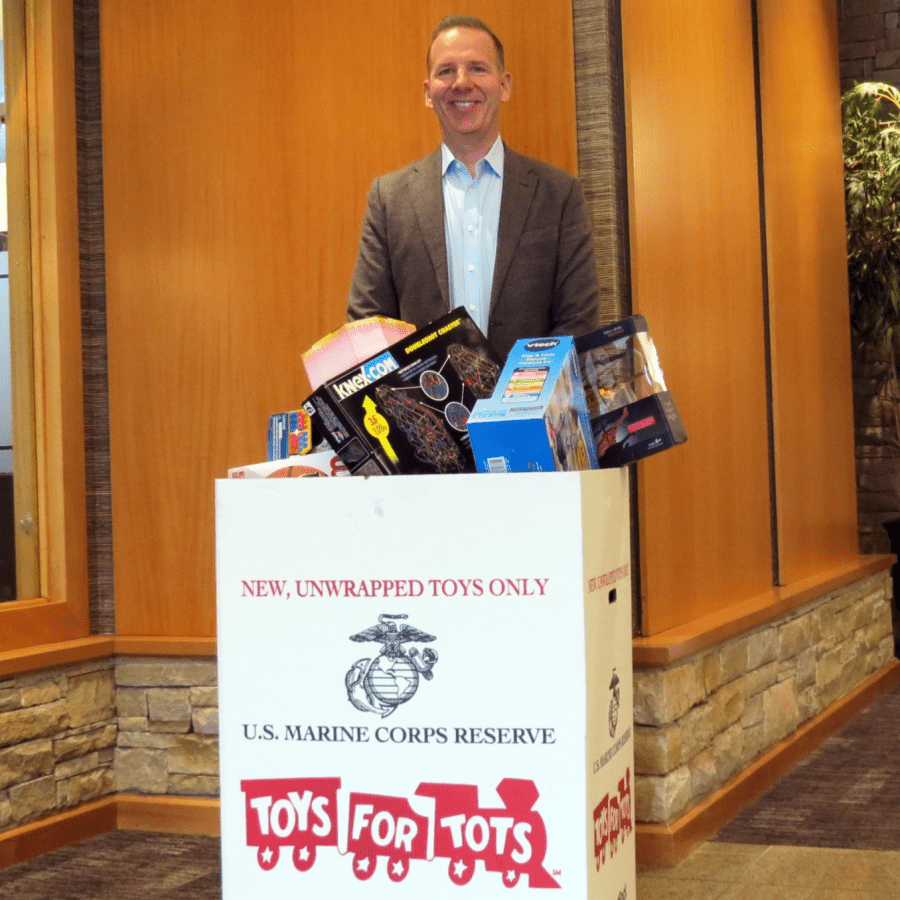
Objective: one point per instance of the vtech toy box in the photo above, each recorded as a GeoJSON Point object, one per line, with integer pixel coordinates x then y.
{"type": "Point", "coordinates": [404, 410]}
{"type": "Point", "coordinates": [632, 413]}
{"type": "Point", "coordinates": [536, 420]}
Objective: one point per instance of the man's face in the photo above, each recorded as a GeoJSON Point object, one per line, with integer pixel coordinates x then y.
{"type": "Point", "coordinates": [465, 86]}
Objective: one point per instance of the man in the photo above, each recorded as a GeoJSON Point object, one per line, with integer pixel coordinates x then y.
{"type": "Point", "coordinates": [475, 224]}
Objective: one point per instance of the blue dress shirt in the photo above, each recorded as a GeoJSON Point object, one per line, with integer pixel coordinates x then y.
{"type": "Point", "coordinates": [471, 221]}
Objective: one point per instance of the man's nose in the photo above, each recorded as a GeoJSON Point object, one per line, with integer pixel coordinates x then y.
{"type": "Point", "coordinates": [462, 79]}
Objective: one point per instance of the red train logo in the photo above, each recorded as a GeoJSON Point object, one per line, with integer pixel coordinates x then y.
{"type": "Point", "coordinates": [613, 821]}
{"type": "Point", "coordinates": [440, 821]}
{"type": "Point", "coordinates": [385, 826]}
{"type": "Point", "coordinates": [299, 813]}
{"type": "Point", "coordinates": [510, 839]}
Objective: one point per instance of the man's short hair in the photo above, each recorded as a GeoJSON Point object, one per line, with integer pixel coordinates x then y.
{"type": "Point", "coordinates": [460, 21]}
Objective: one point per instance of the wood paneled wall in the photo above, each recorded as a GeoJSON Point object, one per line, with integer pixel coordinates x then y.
{"type": "Point", "coordinates": [707, 536]}
{"type": "Point", "coordinates": [697, 276]}
{"type": "Point", "coordinates": [807, 271]}
{"type": "Point", "coordinates": [239, 143]}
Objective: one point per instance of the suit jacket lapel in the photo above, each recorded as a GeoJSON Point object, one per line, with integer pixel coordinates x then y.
{"type": "Point", "coordinates": [428, 201]}
{"type": "Point", "coordinates": [519, 184]}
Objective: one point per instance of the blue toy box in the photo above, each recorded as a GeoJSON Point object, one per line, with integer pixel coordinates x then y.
{"type": "Point", "coordinates": [536, 420]}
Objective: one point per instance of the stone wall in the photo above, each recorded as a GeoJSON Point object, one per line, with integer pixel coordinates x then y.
{"type": "Point", "coordinates": [75, 734]}
{"type": "Point", "coordinates": [168, 727]}
{"type": "Point", "coordinates": [78, 733]}
{"type": "Point", "coordinates": [57, 740]}
{"type": "Point", "coordinates": [869, 41]}
{"type": "Point", "coordinates": [706, 719]}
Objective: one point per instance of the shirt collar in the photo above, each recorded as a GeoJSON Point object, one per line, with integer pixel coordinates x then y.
{"type": "Point", "coordinates": [493, 159]}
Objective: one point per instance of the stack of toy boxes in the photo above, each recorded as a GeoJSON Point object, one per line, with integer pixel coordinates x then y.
{"type": "Point", "coordinates": [632, 414]}
{"type": "Point", "coordinates": [404, 410]}
{"type": "Point", "coordinates": [536, 420]}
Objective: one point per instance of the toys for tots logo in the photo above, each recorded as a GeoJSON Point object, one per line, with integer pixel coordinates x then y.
{"type": "Point", "coordinates": [440, 821]}
{"type": "Point", "coordinates": [613, 821]}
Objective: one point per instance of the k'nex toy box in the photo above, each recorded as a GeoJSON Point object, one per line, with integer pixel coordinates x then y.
{"type": "Point", "coordinates": [632, 413]}
{"type": "Point", "coordinates": [536, 420]}
{"type": "Point", "coordinates": [404, 410]}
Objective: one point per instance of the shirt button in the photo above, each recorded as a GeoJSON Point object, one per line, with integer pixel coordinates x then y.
{"type": "Point", "coordinates": [471, 268]}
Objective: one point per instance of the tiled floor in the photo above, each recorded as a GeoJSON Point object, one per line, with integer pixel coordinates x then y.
{"type": "Point", "coordinates": [717, 871]}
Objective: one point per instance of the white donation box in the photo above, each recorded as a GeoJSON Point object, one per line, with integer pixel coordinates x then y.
{"type": "Point", "coordinates": [425, 686]}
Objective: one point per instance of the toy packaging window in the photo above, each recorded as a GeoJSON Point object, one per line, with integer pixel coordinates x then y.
{"type": "Point", "coordinates": [632, 413]}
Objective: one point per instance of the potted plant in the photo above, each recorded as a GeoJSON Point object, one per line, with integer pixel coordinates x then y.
{"type": "Point", "coordinates": [871, 139]}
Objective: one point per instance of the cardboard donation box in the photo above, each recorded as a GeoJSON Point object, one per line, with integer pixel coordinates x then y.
{"type": "Point", "coordinates": [406, 715]}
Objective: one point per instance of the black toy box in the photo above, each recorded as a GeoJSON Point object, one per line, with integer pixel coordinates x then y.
{"type": "Point", "coordinates": [405, 410]}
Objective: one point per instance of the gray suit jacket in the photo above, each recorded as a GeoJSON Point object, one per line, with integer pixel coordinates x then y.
{"type": "Point", "coordinates": [545, 276]}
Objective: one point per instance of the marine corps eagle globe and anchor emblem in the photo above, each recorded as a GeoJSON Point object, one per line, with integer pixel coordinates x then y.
{"type": "Point", "coordinates": [382, 683]}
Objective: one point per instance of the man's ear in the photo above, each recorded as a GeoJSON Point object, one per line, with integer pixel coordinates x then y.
{"type": "Point", "coordinates": [506, 82]}
{"type": "Point", "coordinates": [427, 95]}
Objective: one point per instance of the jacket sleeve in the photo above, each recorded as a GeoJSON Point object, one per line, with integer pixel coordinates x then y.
{"type": "Point", "coordinates": [373, 291]}
{"type": "Point", "coordinates": [575, 306]}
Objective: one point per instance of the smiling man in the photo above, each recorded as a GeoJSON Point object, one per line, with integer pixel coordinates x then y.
{"type": "Point", "coordinates": [475, 224]}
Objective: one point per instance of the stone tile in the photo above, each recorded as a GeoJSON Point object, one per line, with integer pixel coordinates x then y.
{"type": "Point", "coordinates": [127, 725]}
{"type": "Point", "coordinates": [24, 762]}
{"type": "Point", "coordinates": [205, 720]}
{"type": "Point", "coordinates": [131, 703]}
{"type": "Point", "coordinates": [182, 727]}
{"type": "Point", "coordinates": [205, 696]}
{"type": "Point", "coordinates": [169, 704]}
{"type": "Point", "coordinates": [194, 785]}
{"type": "Point", "coordinates": [166, 673]}
{"type": "Point", "coordinates": [141, 770]}
{"type": "Point", "coordinates": [865, 870]}
{"type": "Point", "coordinates": [654, 887]}
{"type": "Point", "coordinates": [193, 754]}
{"type": "Point", "coordinates": [87, 741]}
{"type": "Point", "coordinates": [714, 862]}
{"type": "Point", "coordinates": [768, 892]}
{"type": "Point", "coordinates": [797, 867]}
{"type": "Point", "coordinates": [91, 698]}
{"type": "Point", "coordinates": [33, 798]}
{"type": "Point", "coordinates": [33, 722]}
{"type": "Point", "coordinates": [146, 740]}
{"type": "Point", "coordinates": [40, 693]}
{"type": "Point", "coordinates": [77, 766]}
